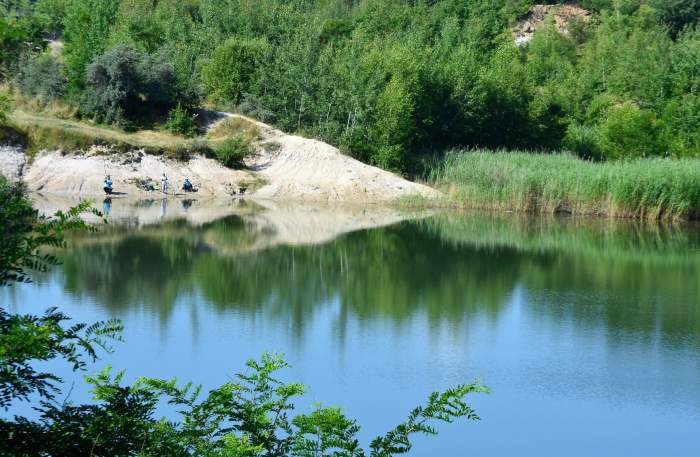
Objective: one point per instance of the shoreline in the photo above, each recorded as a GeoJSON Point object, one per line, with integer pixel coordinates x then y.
{"type": "Point", "coordinates": [279, 166]}
{"type": "Point", "coordinates": [295, 169]}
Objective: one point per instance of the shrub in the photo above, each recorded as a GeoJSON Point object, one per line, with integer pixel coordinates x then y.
{"type": "Point", "coordinates": [231, 70]}
{"type": "Point", "coordinates": [157, 79]}
{"type": "Point", "coordinates": [584, 141]}
{"type": "Point", "coordinates": [232, 151]}
{"type": "Point", "coordinates": [677, 14]}
{"type": "Point", "coordinates": [5, 107]}
{"type": "Point", "coordinates": [233, 126]}
{"type": "Point", "coordinates": [253, 106]}
{"type": "Point", "coordinates": [52, 13]}
{"type": "Point", "coordinates": [181, 152]}
{"type": "Point", "coordinates": [112, 82]}
{"type": "Point", "coordinates": [629, 131]}
{"type": "Point", "coordinates": [180, 121]}
{"type": "Point", "coordinates": [121, 80]}
{"type": "Point", "coordinates": [201, 147]}
{"type": "Point", "coordinates": [42, 77]}
{"type": "Point", "coordinates": [626, 7]}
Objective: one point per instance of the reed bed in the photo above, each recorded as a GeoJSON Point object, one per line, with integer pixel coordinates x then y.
{"type": "Point", "coordinates": [654, 189]}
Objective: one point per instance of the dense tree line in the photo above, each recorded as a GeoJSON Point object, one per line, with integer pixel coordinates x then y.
{"type": "Point", "coordinates": [389, 81]}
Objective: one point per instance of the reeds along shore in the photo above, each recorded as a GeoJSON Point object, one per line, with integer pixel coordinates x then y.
{"type": "Point", "coordinates": [651, 189]}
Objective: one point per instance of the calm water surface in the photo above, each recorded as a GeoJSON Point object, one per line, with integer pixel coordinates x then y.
{"type": "Point", "coordinates": [587, 332]}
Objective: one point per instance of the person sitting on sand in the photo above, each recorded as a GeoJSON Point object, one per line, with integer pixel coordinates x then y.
{"type": "Point", "coordinates": [187, 185]}
{"type": "Point", "coordinates": [107, 185]}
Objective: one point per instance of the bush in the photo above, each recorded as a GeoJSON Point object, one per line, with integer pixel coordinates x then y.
{"type": "Point", "coordinates": [584, 141]}
{"type": "Point", "coordinates": [677, 14]}
{"type": "Point", "coordinates": [181, 122]}
{"type": "Point", "coordinates": [253, 106]}
{"type": "Point", "coordinates": [42, 77]}
{"type": "Point", "coordinates": [112, 83]}
{"type": "Point", "coordinates": [233, 151]}
{"type": "Point", "coordinates": [233, 126]}
{"type": "Point", "coordinates": [629, 131]}
{"type": "Point", "coordinates": [5, 108]}
{"type": "Point", "coordinates": [121, 80]}
{"type": "Point", "coordinates": [157, 80]}
{"type": "Point", "coordinates": [231, 70]}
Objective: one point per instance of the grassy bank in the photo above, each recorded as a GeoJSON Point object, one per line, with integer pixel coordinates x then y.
{"type": "Point", "coordinates": [41, 132]}
{"type": "Point", "coordinates": [656, 189]}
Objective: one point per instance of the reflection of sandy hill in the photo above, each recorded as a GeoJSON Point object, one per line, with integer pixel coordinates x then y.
{"type": "Point", "coordinates": [142, 212]}
{"type": "Point", "coordinates": [296, 224]}
{"type": "Point", "coordinates": [265, 223]}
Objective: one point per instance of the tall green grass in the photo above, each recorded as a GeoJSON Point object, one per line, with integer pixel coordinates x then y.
{"type": "Point", "coordinates": [656, 189]}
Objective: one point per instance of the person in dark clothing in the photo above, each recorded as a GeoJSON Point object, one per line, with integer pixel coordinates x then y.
{"type": "Point", "coordinates": [187, 185]}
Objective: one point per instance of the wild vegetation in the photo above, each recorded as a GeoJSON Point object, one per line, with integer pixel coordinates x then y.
{"type": "Point", "coordinates": [547, 183]}
{"type": "Point", "coordinates": [252, 415]}
{"type": "Point", "coordinates": [388, 81]}
{"type": "Point", "coordinates": [396, 84]}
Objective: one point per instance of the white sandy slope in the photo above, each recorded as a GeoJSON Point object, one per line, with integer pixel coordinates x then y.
{"type": "Point", "coordinates": [83, 174]}
{"type": "Point", "coordinates": [295, 168]}
{"type": "Point", "coordinates": [306, 169]}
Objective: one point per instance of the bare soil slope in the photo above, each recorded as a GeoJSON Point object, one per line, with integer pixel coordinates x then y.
{"type": "Point", "coordinates": [563, 16]}
{"type": "Point", "coordinates": [284, 167]}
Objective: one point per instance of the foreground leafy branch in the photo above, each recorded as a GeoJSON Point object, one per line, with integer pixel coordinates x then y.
{"type": "Point", "coordinates": [249, 417]}
{"type": "Point", "coordinates": [23, 233]}
{"type": "Point", "coordinates": [26, 339]}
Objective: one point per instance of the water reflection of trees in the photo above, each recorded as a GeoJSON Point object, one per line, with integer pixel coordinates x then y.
{"type": "Point", "coordinates": [631, 277]}
{"type": "Point", "coordinates": [446, 268]}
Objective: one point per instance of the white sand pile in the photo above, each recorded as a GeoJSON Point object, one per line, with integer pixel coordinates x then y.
{"type": "Point", "coordinates": [285, 167]}
{"type": "Point", "coordinates": [305, 169]}
{"type": "Point", "coordinates": [83, 174]}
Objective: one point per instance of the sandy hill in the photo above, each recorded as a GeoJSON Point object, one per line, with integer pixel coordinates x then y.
{"type": "Point", "coordinates": [283, 167]}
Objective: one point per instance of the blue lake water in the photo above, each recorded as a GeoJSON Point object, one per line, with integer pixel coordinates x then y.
{"type": "Point", "coordinates": [587, 332]}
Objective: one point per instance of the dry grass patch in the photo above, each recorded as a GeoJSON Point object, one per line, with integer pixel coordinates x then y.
{"type": "Point", "coordinates": [233, 127]}
{"type": "Point", "coordinates": [50, 133]}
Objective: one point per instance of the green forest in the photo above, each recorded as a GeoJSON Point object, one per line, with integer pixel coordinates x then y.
{"type": "Point", "coordinates": [391, 82]}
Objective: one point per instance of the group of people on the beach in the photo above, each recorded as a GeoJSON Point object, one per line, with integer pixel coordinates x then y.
{"type": "Point", "coordinates": [187, 185]}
